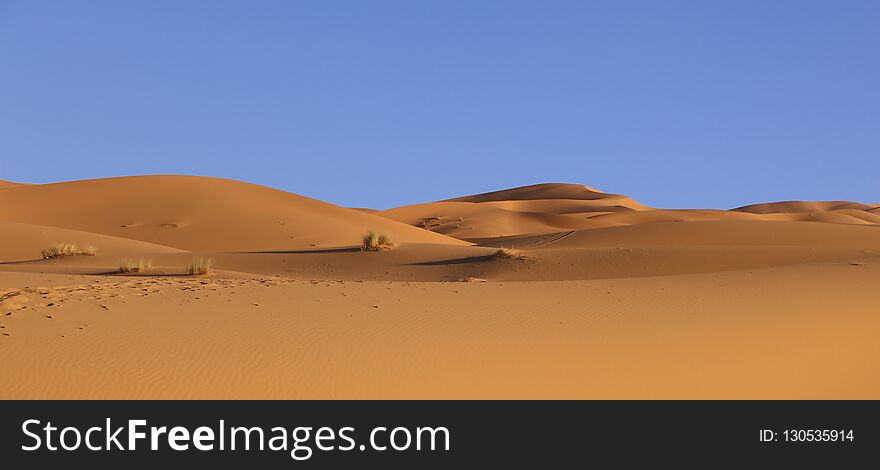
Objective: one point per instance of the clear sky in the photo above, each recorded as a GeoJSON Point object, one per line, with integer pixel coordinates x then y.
{"type": "Point", "coordinates": [383, 103]}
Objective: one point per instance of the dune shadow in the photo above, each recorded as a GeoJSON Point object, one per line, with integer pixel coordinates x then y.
{"type": "Point", "coordinates": [24, 261]}
{"type": "Point", "coordinates": [116, 273]}
{"type": "Point", "coordinates": [449, 262]}
{"type": "Point", "coordinates": [302, 252]}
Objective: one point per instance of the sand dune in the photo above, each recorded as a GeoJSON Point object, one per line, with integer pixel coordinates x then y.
{"type": "Point", "coordinates": [24, 242]}
{"type": "Point", "coordinates": [10, 184]}
{"type": "Point", "coordinates": [563, 191]}
{"type": "Point", "coordinates": [550, 208]}
{"type": "Point", "coordinates": [540, 208]}
{"type": "Point", "coordinates": [723, 233]}
{"type": "Point", "coordinates": [198, 213]}
{"type": "Point", "coordinates": [792, 207]}
{"type": "Point", "coordinates": [476, 221]}
{"type": "Point", "coordinates": [607, 298]}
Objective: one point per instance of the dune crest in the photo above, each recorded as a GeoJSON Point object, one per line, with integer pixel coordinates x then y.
{"type": "Point", "coordinates": [540, 208]}
{"type": "Point", "coordinates": [199, 214]}
{"type": "Point", "coordinates": [10, 184]}
{"type": "Point", "coordinates": [542, 191]}
{"type": "Point", "coordinates": [553, 207]}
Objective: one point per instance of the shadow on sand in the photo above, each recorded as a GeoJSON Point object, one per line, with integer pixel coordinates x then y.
{"type": "Point", "coordinates": [448, 262]}
{"type": "Point", "coordinates": [303, 252]}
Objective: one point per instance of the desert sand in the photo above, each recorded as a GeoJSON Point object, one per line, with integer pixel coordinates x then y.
{"type": "Point", "coordinates": [603, 296]}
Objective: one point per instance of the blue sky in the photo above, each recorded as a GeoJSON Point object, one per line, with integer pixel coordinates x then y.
{"type": "Point", "coordinates": [384, 103]}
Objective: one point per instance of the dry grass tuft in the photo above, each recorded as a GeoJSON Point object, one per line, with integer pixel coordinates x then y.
{"type": "Point", "coordinates": [374, 241]}
{"type": "Point", "coordinates": [508, 253]}
{"type": "Point", "coordinates": [200, 266]}
{"type": "Point", "coordinates": [135, 266]}
{"type": "Point", "coordinates": [472, 279]}
{"type": "Point", "coordinates": [60, 250]}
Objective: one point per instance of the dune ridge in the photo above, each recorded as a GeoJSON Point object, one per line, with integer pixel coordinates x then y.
{"type": "Point", "coordinates": [549, 208]}
{"type": "Point", "coordinates": [9, 184]}
{"type": "Point", "coordinates": [199, 213]}
{"type": "Point", "coordinates": [794, 207]}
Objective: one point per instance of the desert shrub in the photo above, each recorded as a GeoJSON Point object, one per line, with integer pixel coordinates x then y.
{"type": "Point", "coordinates": [375, 241]}
{"type": "Point", "coordinates": [385, 241]}
{"type": "Point", "coordinates": [60, 250]}
{"type": "Point", "coordinates": [507, 253]}
{"type": "Point", "coordinates": [135, 266]}
{"type": "Point", "coordinates": [200, 266]}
